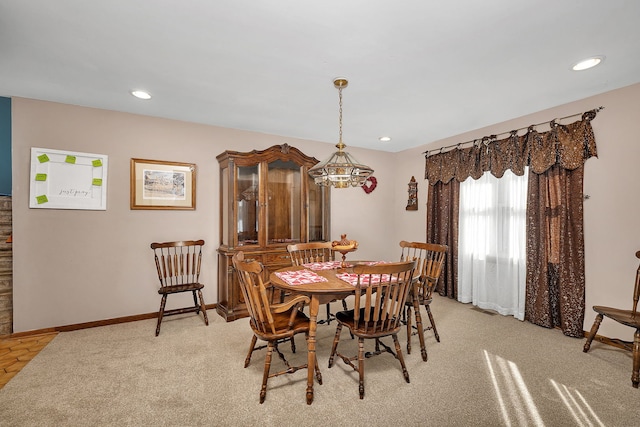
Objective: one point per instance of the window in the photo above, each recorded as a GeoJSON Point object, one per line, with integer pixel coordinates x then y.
{"type": "Point", "coordinates": [492, 243]}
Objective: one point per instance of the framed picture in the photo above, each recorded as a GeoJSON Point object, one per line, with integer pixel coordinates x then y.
{"type": "Point", "coordinates": [157, 184]}
{"type": "Point", "coordinates": [67, 180]}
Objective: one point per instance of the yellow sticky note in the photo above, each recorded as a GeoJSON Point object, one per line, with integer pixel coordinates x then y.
{"type": "Point", "coordinates": [42, 199]}
{"type": "Point", "coordinates": [41, 177]}
{"type": "Point", "coordinates": [70, 159]}
{"type": "Point", "coordinates": [97, 182]}
{"type": "Point", "coordinates": [42, 158]}
{"type": "Point", "coordinates": [96, 163]}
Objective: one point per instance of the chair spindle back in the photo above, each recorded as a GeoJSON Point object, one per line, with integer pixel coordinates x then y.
{"type": "Point", "coordinates": [250, 274]}
{"type": "Point", "coordinates": [178, 263]}
{"type": "Point", "coordinates": [380, 294]}
{"type": "Point", "coordinates": [306, 253]}
{"type": "Point", "coordinates": [430, 259]}
{"type": "Point", "coordinates": [636, 289]}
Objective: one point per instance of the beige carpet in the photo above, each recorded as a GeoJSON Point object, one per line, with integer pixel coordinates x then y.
{"type": "Point", "coordinates": [488, 370]}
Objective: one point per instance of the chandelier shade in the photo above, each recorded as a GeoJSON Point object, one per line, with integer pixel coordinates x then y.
{"type": "Point", "coordinates": [341, 170]}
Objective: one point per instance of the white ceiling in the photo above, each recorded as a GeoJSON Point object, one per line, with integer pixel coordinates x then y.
{"type": "Point", "coordinates": [418, 70]}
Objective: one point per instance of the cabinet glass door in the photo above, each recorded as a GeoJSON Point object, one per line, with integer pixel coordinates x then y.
{"type": "Point", "coordinates": [317, 221]}
{"type": "Point", "coordinates": [248, 205]}
{"type": "Point", "coordinates": [284, 204]}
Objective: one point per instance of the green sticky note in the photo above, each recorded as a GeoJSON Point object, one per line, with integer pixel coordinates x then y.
{"type": "Point", "coordinates": [96, 163]}
{"type": "Point", "coordinates": [42, 199]}
{"type": "Point", "coordinates": [97, 182]}
{"type": "Point", "coordinates": [43, 158]}
{"type": "Point", "coordinates": [70, 159]}
{"type": "Point", "coordinates": [41, 177]}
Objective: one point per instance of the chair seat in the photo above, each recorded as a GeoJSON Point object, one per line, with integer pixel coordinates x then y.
{"type": "Point", "coordinates": [626, 317]}
{"type": "Point", "coordinates": [180, 288]}
{"type": "Point", "coordinates": [281, 324]}
{"type": "Point", "coordinates": [362, 329]}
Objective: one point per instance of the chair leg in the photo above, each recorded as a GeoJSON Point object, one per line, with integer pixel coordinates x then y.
{"type": "Point", "coordinates": [433, 322]}
{"type": "Point", "coordinates": [163, 302]}
{"type": "Point", "coordinates": [334, 346]}
{"type": "Point", "coordinates": [592, 332]}
{"type": "Point", "coordinates": [419, 325]}
{"type": "Point", "coordinates": [344, 307]}
{"type": "Point", "coordinates": [317, 367]}
{"type": "Point", "coordinates": [328, 314]}
{"type": "Point", "coordinates": [400, 358]}
{"type": "Point", "coordinates": [203, 308]}
{"type": "Point", "coordinates": [361, 367]}
{"type": "Point", "coordinates": [409, 331]}
{"type": "Point", "coordinates": [195, 302]}
{"type": "Point", "coordinates": [252, 347]}
{"type": "Point", "coordinates": [635, 376]}
{"type": "Point", "coordinates": [265, 375]}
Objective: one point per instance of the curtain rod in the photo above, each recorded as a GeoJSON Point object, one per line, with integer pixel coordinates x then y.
{"type": "Point", "coordinates": [493, 137]}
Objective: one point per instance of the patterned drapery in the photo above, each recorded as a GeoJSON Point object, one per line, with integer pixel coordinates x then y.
{"type": "Point", "coordinates": [555, 228]}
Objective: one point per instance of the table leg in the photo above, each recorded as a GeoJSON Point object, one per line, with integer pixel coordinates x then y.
{"type": "Point", "coordinates": [314, 306]}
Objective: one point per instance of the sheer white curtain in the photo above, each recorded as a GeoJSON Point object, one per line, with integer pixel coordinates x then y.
{"type": "Point", "coordinates": [492, 243]}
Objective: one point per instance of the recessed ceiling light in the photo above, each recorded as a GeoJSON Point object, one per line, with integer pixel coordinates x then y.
{"type": "Point", "coordinates": [141, 94]}
{"type": "Point", "coordinates": [588, 63]}
{"type": "Point", "coordinates": [384, 139]}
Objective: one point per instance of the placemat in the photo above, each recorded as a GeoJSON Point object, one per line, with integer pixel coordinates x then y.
{"type": "Point", "coordinates": [366, 279]}
{"type": "Point", "coordinates": [299, 277]}
{"type": "Point", "coordinates": [327, 265]}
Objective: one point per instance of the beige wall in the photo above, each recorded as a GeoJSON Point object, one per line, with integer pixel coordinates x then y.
{"type": "Point", "coordinates": [80, 266]}
{"type": "Point", "coordinates": [612, 226]}
{"type": "Point", "coordinates": [74, 266]}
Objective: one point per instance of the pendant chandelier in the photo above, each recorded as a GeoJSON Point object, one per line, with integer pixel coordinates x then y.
{"type": "Point", "coordinates": [341, 170]}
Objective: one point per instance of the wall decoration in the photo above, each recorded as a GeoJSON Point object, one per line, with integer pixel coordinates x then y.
{"type": "Point", "coordinates": [158, 184]}
{"type": "Point", "coordinates": [412, 203]}
{"type": "Point", "coordinates": [67, 180]}
{"type": "Point", "coordinates": [370, 184]}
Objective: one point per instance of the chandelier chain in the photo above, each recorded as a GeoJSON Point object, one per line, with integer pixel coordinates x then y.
{"type": "Point", "coordinates": [340, 98]}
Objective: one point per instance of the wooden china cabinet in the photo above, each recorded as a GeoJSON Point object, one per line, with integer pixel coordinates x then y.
{"type": "Point", "coordinates": [267, 201]}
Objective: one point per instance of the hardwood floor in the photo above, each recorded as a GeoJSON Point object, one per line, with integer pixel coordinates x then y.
{"type": "Point", "coordinates": [15, 353]}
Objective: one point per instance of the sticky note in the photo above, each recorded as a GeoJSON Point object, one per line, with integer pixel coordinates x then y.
{"type": "Point", "coordinates": [96, 163]}
{"type": "Point", "coordinates": [43, 158]}
{"type": "Point", "coordinates": [97, 182]}
{"type": "Point", "coordinates": [42, 199]}
{"type": "Point", "coordinates": [70, 159]}
{"type": "Point", "coordinates": [41, 177]}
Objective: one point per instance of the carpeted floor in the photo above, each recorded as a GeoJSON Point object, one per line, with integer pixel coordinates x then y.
{"type": "Point", "coordinates": [487, 371]}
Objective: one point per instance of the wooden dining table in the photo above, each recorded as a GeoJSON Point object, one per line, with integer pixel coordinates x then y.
{"type": "Point", "coordinates": [319, 293]}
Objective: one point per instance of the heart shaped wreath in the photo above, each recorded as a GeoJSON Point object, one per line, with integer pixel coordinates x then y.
{"type": "Point", "coordinates": [370, 184]}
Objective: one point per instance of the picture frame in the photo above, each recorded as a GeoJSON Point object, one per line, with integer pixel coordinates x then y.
{"type": "Point", "coordinates": [64, 179]}
{"type": "Point", "coordinates": [157, 184]}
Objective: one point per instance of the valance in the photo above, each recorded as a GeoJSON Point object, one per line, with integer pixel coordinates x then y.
{"type": "Point", "coordinates": [566, 145]}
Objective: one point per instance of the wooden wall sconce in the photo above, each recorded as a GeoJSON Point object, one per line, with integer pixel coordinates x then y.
{"type": "Point", "coordinates": [412, 203]}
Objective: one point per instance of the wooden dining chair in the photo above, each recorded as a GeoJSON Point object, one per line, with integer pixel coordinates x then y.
{"type": "Point", "coordinates": [307, 253]}
{"type": "Point", "coordinates": [178, 266]}
{"type": "Point", "coordinates": [626, 317]}
{"type": "Point", "coordinates": [380, 294]}
{"type": "Point", "coordinates": [270, 322]}
{"type": "Point", "coordinates": [429, 259]}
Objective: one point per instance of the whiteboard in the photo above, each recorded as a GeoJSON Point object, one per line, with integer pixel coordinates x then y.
{"type": "Point", "coordinates": [67, 180]}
